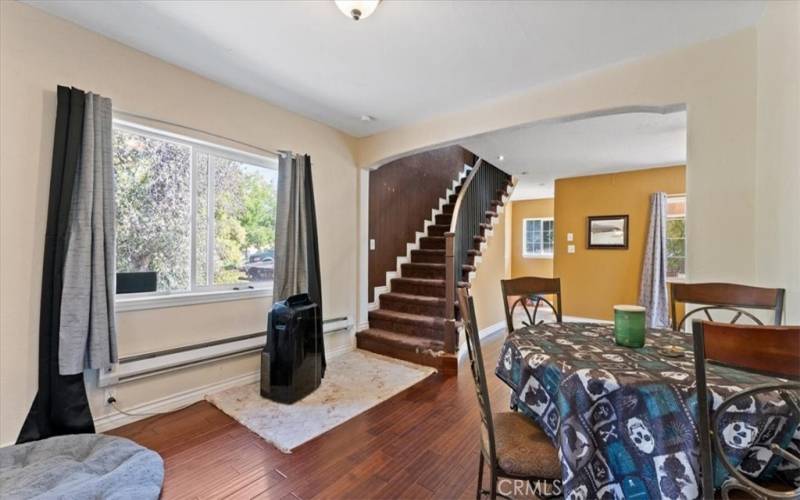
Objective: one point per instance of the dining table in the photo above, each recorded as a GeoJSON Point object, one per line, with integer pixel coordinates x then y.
{"type": "Point", "coordinates": [624, 420]}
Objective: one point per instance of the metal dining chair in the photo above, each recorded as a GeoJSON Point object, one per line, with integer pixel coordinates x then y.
{"type": "Point", "coordinates": [520, 292]}
{"type": "Point", "coordinates": [769, 350]}
{"type": "Point", "coordinates": [512, 445]}
{"type": "Point", "coordinates": [724, 296]}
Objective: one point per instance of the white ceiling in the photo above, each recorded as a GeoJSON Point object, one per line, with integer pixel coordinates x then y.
{"type": "Point", "coordinates": [541, 153]}
{"type": "Point", "coordinates": [411, 59]}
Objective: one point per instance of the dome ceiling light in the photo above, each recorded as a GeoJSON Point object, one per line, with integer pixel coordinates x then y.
{"type": "Point", "coordinates": [357, 9]}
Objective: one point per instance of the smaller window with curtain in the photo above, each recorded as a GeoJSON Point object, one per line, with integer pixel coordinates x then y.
{"type": "Point", "coordinates": [537, 238]}
{"type": "Point", "coordinates": [676, 237]}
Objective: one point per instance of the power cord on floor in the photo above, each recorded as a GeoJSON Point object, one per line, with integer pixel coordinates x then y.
{"type": "Point", "coordinates": [113, 402]}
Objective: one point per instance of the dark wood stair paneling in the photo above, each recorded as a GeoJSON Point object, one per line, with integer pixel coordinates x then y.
{"type": "Point", "coordinates": [428, 255]}
{"type": "Point", "coordinates": [413, 304]}
{"type": "Point", "coordinates": [432, 242]}
{"type": "Point", "coordinates": [411, 324]}
{"type": "Point", "coordinates": [422, 270]}
{"type": "Point", "coordinates": [419, 286]}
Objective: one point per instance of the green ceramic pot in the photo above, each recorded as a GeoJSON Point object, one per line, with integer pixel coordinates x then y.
{"type": "Point", "coordinates": [629, 327]}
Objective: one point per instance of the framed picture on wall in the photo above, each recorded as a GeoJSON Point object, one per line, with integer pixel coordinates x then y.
{"type": "Point", "coordinates": [607, 231]}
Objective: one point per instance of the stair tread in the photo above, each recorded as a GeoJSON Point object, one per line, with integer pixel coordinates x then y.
{"type": "Point", "coordinates": [430, 265]}
{"type": "Point", "coordinates": [431, 251]}
{"type": "Point", "coordinates": [407, 317]}
{"type": "Point", "coordinates": [404, 340]}
{"type": "Point", "coordinates": [422, 281]}
{"type": "Point", "coordinates": [413, 298]}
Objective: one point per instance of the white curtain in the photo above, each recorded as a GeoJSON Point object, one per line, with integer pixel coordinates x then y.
{"type": "Point", "coordinates": [653, 289]}
{"type": "Point", "coordinates": [87, 335]}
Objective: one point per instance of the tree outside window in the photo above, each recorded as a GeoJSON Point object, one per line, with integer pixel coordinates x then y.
{"type": "Point", "coordinates": [676, 237]}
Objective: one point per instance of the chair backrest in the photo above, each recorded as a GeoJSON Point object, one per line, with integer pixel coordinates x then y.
{"type": "Point", "coordinates": [770, 350]}
{"type": "Point", "coordinates": [725, 296]}
{"type": "Point", "coordinates": [467, 309]}
{"type": "Point", "coordinates": [529, 289]}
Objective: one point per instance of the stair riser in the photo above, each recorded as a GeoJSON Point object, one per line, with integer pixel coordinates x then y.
{"type": "Point", "coordinates": [419, 257]}
{"type": "Point", "coordinates": [437, 230]}
{"type": "Point", "coordinates": [431, 243]}
{"type": "Point", "coordinates": [445, 364]}
{"type": "Point", "coordinates": [448, 208]}
{"type": "Point", "coordinates": [443, 219]}
{"type": "Point", "coordinates": [415, 289]}
{"type": "Point", "coordinates": [421, 272]}
{"type": "Point", "coordinates": [407, 328]}
{"type": "Point", "coordinates": [435, 310]}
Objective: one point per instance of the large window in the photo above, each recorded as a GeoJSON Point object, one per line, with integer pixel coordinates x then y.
{"type": "Point", "coordinates": [676, 237]}
{"type": "Point", "coordinates": [200, 216]}
{"type": "Point", "coordinates": [537, 237]}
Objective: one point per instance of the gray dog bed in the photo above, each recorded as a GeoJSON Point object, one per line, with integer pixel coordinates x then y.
{"type": "Point", "coordinates": [80, 466]}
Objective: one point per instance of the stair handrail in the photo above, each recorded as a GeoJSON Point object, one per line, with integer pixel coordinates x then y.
{"type": "Point", "coordinates": [455, 255]}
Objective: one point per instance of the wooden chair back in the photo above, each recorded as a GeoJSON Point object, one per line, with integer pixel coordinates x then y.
{"type": "Point", "coordinates": [470, 324]}
{"type": "Point", "coordinates": [725, 296]}
{"type": "Point", "coordinates": [770, 350]}
{"type": "Point", "coordinates": [520, 292]}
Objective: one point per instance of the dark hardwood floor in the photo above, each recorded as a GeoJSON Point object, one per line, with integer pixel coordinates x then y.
{"type": "Point", "coordinates": [422, 443]}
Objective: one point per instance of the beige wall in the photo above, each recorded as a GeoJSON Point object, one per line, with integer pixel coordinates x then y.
{"type": "Point", "coordinates": [593, 281]}
{"type": "Point", "coordinates": [717, 82]}
{"type": "Point", "coordinates": [778, 153]}
{"type": "Point", "coordinates": [521, 265]}
{"type": "Point", "coordinates": [39, 52]}
{"type": "Point", "coordinates": [485, 289]}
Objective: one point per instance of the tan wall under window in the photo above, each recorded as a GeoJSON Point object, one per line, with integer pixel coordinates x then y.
{"type": "Point", "coordinates": [528, 266]}
{"type": "Point", "coordinates": [593, 281]}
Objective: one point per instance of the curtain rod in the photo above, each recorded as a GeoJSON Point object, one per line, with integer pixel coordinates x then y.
{"type": "Point", "coordinates": [165, 122]}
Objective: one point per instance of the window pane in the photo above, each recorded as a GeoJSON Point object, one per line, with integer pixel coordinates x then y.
{"type": "Point", "coordinates": [676, 267]}
{"type": "Point", "coordinates": [153, 195]}
{"type": "Point", "coordinates": [201, 221]}
{"type": "Point", "coordinates": [244, 222]}
{"type": "Point", "coordinates": [676, 228]}
{"type": "Point", "coordinates": [676, 248]}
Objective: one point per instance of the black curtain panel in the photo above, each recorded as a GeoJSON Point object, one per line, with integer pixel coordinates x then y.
{"type": "Point", "coordinates": [312, 254]}
{"type": "Point", "coordinates": [60, 406]}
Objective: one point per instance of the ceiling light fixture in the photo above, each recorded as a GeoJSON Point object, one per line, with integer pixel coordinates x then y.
{"type": "Point", "coordinates": [367, 118]}
{"type": "Point", "coordinates": [501, 158]}
{"type": "Point", "coordinates": [357, 9]}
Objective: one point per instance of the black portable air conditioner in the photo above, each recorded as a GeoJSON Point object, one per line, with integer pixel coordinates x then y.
{"type": "Point", "coordinates": [293, 360]}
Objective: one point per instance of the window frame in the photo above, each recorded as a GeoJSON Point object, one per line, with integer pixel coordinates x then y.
{"type": "Point", "coordinates": [196, 294]}
{"type": "Point", "coordinates": [680, 279]}
{"type": "Point", "coordinates": [535, 254]}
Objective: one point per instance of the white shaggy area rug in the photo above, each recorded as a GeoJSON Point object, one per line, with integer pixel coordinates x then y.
{"type": "Point", "coordinates": [354, 382]}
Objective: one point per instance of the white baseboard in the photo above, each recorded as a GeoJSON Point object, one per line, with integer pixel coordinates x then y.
{"type": "Point", "coordinates": [184, 398]}
{"type": "Point", "coordinates": [171, 402]}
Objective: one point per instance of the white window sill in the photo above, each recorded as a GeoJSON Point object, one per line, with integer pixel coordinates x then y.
{"type": "Point", "coordinates": [140, 303]}
{"type": "Point", "coordinates": [548, 256]}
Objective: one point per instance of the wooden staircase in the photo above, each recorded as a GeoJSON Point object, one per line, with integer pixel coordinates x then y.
{"type": "Point", "coordinates": [411, 320]}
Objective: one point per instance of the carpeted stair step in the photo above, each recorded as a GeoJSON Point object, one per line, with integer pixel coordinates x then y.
{"type": "Point", "coordinates": [413, 304]}
{"type": "Point", "coordinates": [432, 242]}
{"type": "Point", "coordinates": [491, 214]}
{"type": "Point", "coordinates": [410, 324]}
{"type": "Point", "coordinates": [419, 286]}
{"type": "Point", "coordinates": [423, 270]}
{"type": "Point", "coordinates": [444, 219]}
{"type": "Point", "coordinates": [448, 208]}
{"type": "Point", "coordinates": [435, 255]}
{"type": "Point", "coordinates": [438, 229]}
{"type": "Point", "coordinates": [418, 350]}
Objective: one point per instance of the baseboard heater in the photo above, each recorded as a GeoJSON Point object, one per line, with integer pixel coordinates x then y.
{"type": "Point", "coordinates": [146, 365]}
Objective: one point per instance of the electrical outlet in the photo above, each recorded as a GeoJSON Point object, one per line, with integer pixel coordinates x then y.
{"type": "Point", "coordinates": [108, 395]}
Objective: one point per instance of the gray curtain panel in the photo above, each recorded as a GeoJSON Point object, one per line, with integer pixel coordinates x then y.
{"type": "Point", "coordinates": [87, 333]}
{"type": "Point", "coordinates": [291, 229]}
{"type": "Point", "coordinates": [653, 289]}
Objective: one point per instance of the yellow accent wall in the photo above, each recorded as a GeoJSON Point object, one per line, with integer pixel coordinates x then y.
{"type": "Point", "coordinates": [593, 281]}
{"type": "Point", "coordinates": [485, 289]}
{"type": "Point", "coordinates": [528, 266]}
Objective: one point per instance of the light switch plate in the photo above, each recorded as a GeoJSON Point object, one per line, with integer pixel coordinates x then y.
{"type": "Point", "coordinates": [569, 236]}
{"type": "Point", "coordinates": [570, 248]}
{"type": "Point", "coordinates": [371, 244]}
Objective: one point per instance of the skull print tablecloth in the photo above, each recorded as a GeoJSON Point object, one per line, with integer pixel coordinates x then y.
{"type": "Point", "coordinates": [624, 419]}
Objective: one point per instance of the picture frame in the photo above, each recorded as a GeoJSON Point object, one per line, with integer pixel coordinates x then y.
{"type": "Point", "coordinates": [607, 232]}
